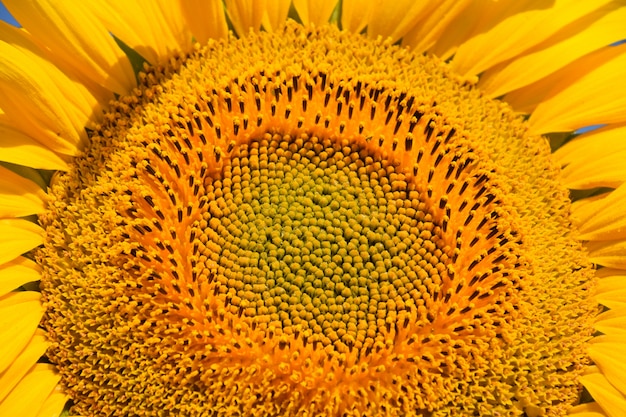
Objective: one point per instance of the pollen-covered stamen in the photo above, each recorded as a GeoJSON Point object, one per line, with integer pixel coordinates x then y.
{"type": "Point", "coordinates": [256, 236]}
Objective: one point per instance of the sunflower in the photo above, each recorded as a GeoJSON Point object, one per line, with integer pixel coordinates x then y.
{"type": "Point", "coordinates": [313, 208]}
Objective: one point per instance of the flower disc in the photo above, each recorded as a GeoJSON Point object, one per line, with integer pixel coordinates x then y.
{"type": "Point", "coordinates": [312, 223]}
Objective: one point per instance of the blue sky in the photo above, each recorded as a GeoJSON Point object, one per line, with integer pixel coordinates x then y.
{"type": "Point", "coordinates": [4, 15]}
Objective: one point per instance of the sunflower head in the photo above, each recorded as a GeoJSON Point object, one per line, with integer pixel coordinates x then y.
{"type": "Point", "coordinates": [305, 220]}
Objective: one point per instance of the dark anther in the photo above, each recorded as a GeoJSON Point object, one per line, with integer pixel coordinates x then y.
{"type": "Point", "coordinates": [190, 127]}
{"type": "Point", "coordinates": [339, 91]}
{"type": "Point", "coordinates": [429, 132]}
{"type": "Point", "coordinates": [408, 143]}
{"type": "Point", "coordinates": [397, 126]}
{"type": "Point", "coordinates": [387, 103]}
{"type": "Point", "coordinates": [277, 92]}
{"type": "Point", "coordinates": [388, 118]}
{"type": "Point", "coordinates": [450, 134]}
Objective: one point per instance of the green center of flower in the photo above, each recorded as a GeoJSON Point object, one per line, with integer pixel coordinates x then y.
{"type": "Point", "coordinates": [321, 239]}
{"type": "Point", "coordinates": [321, 224]}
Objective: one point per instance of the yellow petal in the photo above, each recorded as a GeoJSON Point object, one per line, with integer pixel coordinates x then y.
{"type": "Point", "coordinates": [35, 348]}
{"type": "Point", "coordinates": [602, 219]}
{"type": "Point", "coordinates": [579, 207]}
{"type": "Point", "coordinates": [154, 29]}
{"type": "Point", "coordinates": [517, 34]}
{"type": "Point", "coordinates": [429, 30]}
{"type": "Point", "coordinates": [245, 15]}
{"type": "Point", "coordinates": [586, 410]}
{"type": "Point", "coordinates": [584, 93]}
{"type": "Point", "coordinates": [608, 352]}
{"type": "Point", "coordinates": [605, 26]}
{"type": "Point", "coordinates": [20, 313]}
{"type": "Point", "coordinates": [29, 396]}
{"type": "Point", "coordinates": [610, 399]}
{"type": "Point", "coordinates": [82, 100]}
{"type": "Point", "coordinates": [18, 236]}
{"type": "Point", "coordinates": [395, 19]}
{"type": "Point", "coordinates": [606, 273]}
{"type": "Point", "coordinates": [612, 299]}
{"type": "Point", "coordinates": [611, 289]}
{"type": "Point", "coordinates": [608, 253]}
{"type": "Point", "coordinates": [275, 15]}
{"type": "Point", "coordinates": [54, 404]}
{"type": "Point", "coordinates": [72, 33]}
{"type": "Point", "coordinates": [486, 14]}
{"type": "Point", "coordinates": [19, 196]}
{"type": "Point", "coordinates": [612, 322]}
{"type": "Point", "coordinates": [356, 14]}
{"type": "Point", "coordinates": [317, 12]}
{"type": "Point", "coordinates": [594, 159]}
{"type": "Point", "coordinates": [608, 139]}
{"type": "Point", "coordinates": [205, 19]}
{"type": "Point", "coordinates": [16, 273]}
{"type": "Point", "coordinates": [18, 148]}
{"type": "Point", "coordinates": [38, 98]}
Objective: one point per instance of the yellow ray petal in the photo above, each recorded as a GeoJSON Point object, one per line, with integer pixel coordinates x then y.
{"type": "Point", "coordinates": [155, 29]}
{"type": "Point", "coordinates": [594, 159]}
{"type": "Point", "coordinates": [485, 15]}
{"type": "Point", "coordinates": [17, 272]}
{"type": "Point", "coordinates": [29, 396]}
{"type": "Point", "coordinates": [610, 279]}
{"type": "Point", "coordinates": [245, 15]}
{"type": "Point", "coordinates": [20, 313]}
{"type": "Point", "coordinates": [608, 353]}
{"type": "Point", "coordinates": [38, 98]}
{"type": "Point", "coordinates": [85, 93]}
{"type": "Point", "coordinates": [18, 148]}
{"type": "Point", "coordinates": [587, 410]}
{"type": "Point", "coordinates": [608, 170]}
{"type": "Point", "coordinates": [610, 399]}
{"type": "Point", "coordinates": [609, 139]}
{"type": "Point", "coordinates": [611, 288]}
{"type": "Point", "coordinates": [72, 33]}
{"type": "Point", "coordinates": [584, 93]}
{"type": "Point", "coordinates": [317, 12]}
{"type": "Point", "coordinates": [35, 348]}
{"type": "Point", "coordinates": [604, 218]}
{"type": "Point", "coordinates": [275, 14]}
{"type": "Point", "coordinates": [612, 322]}
{"type": "Point", "coordinates": [579, 207]}
{"type": "Point", "coordinates": [425, 34]}
{"type": "Point", "coordinates": [18, 236]}
{"type": "Point", "coordinates": [356, 14]}
{"type": "Point", "coordinates": [612, 299]}
{"type": "Point", "coordinates": [607, 273]}
{"type": "Point", "coordinates": [19, 196]}
{"type": "Point", "coordinates": [395, 19]}
{"type": "Point", "coordinates": [205, 19]}
{"type": "Point", "coordinates": [610, 253]}
{"type": "Point", "coordinates": [606, 26]}
{"type": "Point", "coordinates": [54, 404]}
{"type": "Point", "coordinates": [517, 34]}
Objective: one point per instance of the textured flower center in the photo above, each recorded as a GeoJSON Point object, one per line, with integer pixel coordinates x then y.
{"type": "Point", "coordinates": [311, 222]}
{"type": "Point", "coordinates": [320, 239]}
